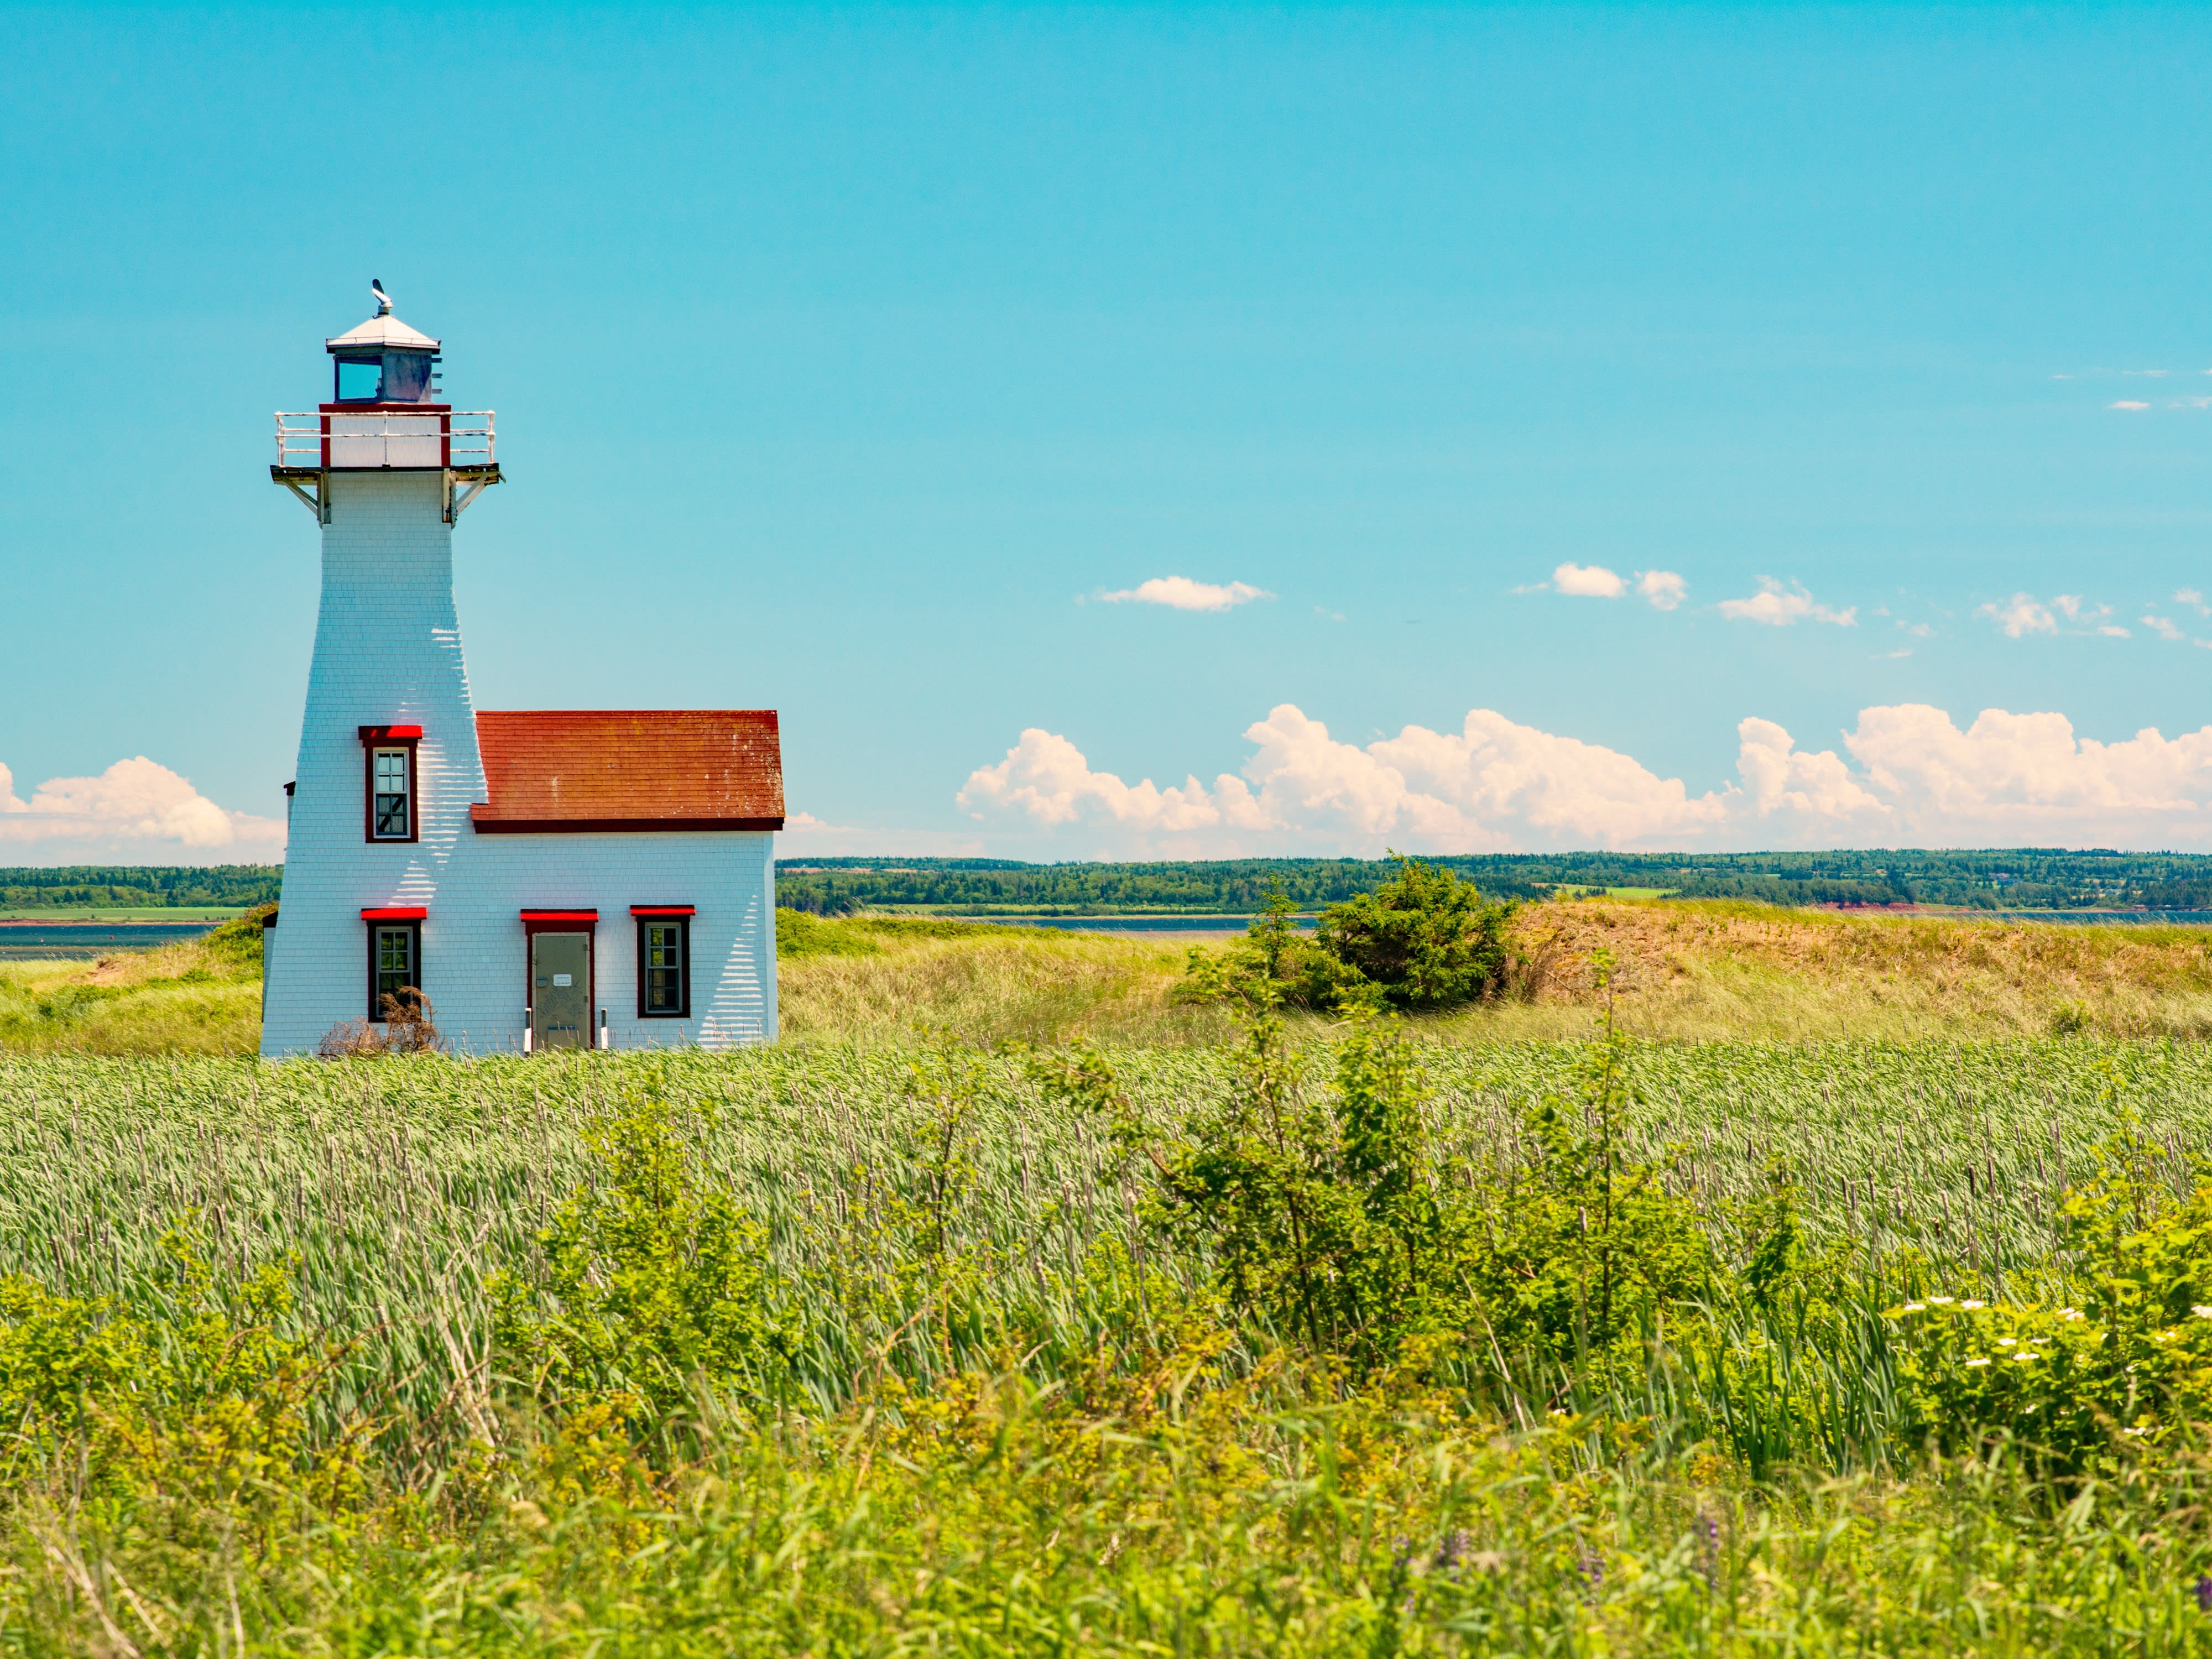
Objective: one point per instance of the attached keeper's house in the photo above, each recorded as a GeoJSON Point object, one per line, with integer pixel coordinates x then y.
{"type": "Point", "coordinates": [555, 878]}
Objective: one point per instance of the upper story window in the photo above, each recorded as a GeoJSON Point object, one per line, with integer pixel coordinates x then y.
{"type": "Point", "coordinates": [389, 784]}
{"type": "Point", "coordinates": [393, 812]}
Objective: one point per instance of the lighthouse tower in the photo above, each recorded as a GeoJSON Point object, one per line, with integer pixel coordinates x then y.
{"type": "Point", "coordinates": [607, 882]}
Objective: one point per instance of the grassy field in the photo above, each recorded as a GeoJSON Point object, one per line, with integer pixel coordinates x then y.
{"type": "Point", "coordinates": [1000, 1411]}
{"type": "Point", "coordinates": [1712, 972]}
{"type": "Point", "coordinates": [1852, 1297]}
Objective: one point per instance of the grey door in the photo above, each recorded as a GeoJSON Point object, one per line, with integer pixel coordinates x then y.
{"type": "Point", "coordinates": [560, 990]}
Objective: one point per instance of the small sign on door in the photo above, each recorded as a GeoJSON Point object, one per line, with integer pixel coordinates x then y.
{"type": "Point", "coordinates": [564, 979]}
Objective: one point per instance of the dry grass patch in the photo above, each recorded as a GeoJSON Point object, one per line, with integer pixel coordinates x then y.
{"type": "Point", "coordinates": [874, 981]}
{"type": "Point", "coordinates": [176, 999]}
{"type": "Point", "coordinates": [1722, 971]}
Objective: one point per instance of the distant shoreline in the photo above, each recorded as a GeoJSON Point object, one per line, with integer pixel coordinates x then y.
{"type": "Point", "coordinates": [180, 917]}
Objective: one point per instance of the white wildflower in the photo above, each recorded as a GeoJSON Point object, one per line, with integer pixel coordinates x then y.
{"type": "Point", "coordinates": [1971, 1363]}
{"type": "Point", "coordinates": [2007, 1342]}
{"type": "Point", "coordinates": [1939, 1300]}
{"type": "Point", "coordinates": [2201, 1310]}
{"type": "Point", "coordinates": [1969, 1306]}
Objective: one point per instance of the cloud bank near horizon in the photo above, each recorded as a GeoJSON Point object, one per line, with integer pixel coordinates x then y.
{"type": "Point", "coordinates": [137, 812]}
{"type": "Point", "coordinates": [1913, 778]}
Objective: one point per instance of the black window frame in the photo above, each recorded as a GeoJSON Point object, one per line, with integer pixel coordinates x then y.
{"type": "Point", "coordinates": [683, 924]}
{"type": "Point", "coordinates": [414, 931]}
{"type": "Point", "coordinates": [356, 360]}
{"type": "Point", "coordinates": [370, 747]}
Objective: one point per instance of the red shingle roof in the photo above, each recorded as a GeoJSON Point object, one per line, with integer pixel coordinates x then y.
{"type": "Point", "coordinates": [557, 770]}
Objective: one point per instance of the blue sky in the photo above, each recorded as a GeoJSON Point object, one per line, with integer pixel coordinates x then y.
{"type": "Point", "coordinates": [847, 361]}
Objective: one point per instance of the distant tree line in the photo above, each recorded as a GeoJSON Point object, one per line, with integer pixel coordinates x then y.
{"type": "Point", "coordinates": [2025, 878]}
{"type": "Point", "coordinates": [138, 886]}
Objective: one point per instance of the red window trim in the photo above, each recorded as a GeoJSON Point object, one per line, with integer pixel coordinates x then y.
{"type": "Point", "coordinates": [644, 916]}
{"type": "Point", "coordinates": [534, 920]}
{"type": "Point", "coordinates": [408, 917]}
{"type": "Point", "coordinates": [408, 737]}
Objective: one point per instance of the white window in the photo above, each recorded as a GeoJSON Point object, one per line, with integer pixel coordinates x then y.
{"type": "Point", "coordinates": [392, 794]}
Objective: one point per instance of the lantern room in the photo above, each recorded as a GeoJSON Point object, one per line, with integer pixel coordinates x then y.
{"type": "Point", "coordinates": [383, 360]}
{"type": "Point", "coordinates": [384, 416]}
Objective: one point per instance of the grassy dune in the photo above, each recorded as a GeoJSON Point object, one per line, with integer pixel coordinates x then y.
{"type": "Point", "coordinates": [1696, 972]}
{"type": "Point", "coordinates": [198, 996]}
{"type": "Point", "coordinates": [1720, 972]}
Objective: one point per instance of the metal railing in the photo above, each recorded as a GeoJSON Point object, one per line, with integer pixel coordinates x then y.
{"type": "Point", "coordinates": [377, 438]}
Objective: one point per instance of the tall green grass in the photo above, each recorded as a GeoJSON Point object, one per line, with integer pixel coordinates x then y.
{"type": "Point", "coordinates": [1007, 1419]}
{"type": "Point", "coordinates": [392, 1182]}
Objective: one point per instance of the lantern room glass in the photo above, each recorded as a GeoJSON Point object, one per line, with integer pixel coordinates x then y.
{"type": "Point", "coordinates": [389, 377]}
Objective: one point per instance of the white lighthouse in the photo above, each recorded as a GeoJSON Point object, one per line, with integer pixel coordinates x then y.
{"type": "Point", "coordinates": [554, 878]}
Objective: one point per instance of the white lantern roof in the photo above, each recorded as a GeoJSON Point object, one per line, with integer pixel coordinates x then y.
{"type": "Point", "coordinates": [382, 332]}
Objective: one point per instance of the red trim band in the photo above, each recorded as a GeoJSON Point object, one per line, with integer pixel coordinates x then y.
{"type": "Point", "coordinates": [480, 820]}
{"type": "Point", "coordinates": [664, 909]}
{"type": "Point", "coordinates": [395, 912]}
{"type": "Point", "coordinates": [560, 915]}
{"type": "Point", "coordinates": [390, 733]}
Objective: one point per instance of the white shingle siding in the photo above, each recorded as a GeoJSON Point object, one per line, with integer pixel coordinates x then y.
{"type": "Point", "coordinates": [388, 652]}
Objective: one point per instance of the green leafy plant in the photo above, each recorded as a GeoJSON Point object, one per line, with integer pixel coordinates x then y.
{"type": "Point", "coordinates": [1424, 938]}
{"type": "Point", "coordinates": [1584, 1249]}
{"type": "Point", "coordinates": [656, 1282]}
{"type": "Point", "coordinates": [2120, 1367]}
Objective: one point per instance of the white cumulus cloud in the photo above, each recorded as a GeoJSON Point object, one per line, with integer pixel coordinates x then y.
{"type": "Point", "coordinates": [1665, 589]}
{"type": "Point", "coordinates": [2127, 403]}
{"type": "Point", "coordinates": [1906, 776]}
{"type": "Point", "coordinates": [1589, 581]}
{"type": "Point", "coordinates": [2020, 614]}
{"type": "Point", "coordinates": [1779, 606]}
{"type": "Point", "coordinates": [2163, 627]}
{"type": "Point", "coordinates": [1181, 593]}
{"type": "Point", "coordinates": [1046, 778]}
{"type": "Point", "coordinates": [137, 809]}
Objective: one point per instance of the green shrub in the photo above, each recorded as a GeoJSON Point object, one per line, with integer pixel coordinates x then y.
{"type": "Point", "coordinates": [656, 1283]}
{"type": "Point", "coordinates": [1425, 938]}
{"type": "Point", "coordinates": [1581, 1253]}
{"type": "Point", "coordinates": [799, 934]}
{"type": "Point", "coordinates": [236, 943]}
{"type": "Point", "coordinates": [2128, 1357]}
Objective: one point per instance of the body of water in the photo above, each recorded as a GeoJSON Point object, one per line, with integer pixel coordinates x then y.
{"type": "Point", "coordinates": [1211, 926]}
{"type": "Point", "coordinates": [1215, 925]}
{"type": "Point", "coordinates": [2100, 918]}
{"type": "Point", "coordinates": [39, 941]}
